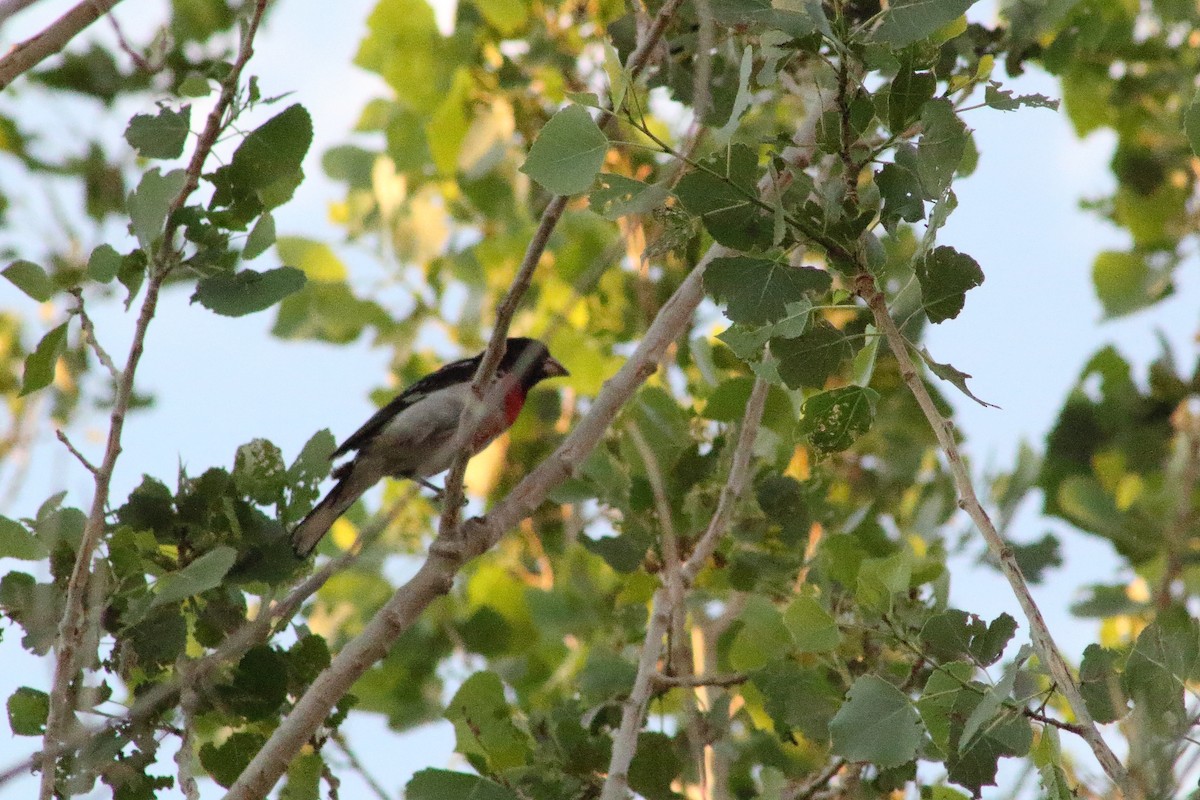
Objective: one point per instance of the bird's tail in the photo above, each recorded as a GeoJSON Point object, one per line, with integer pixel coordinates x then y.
{"type": "Point", "coordinates": [308, 533]}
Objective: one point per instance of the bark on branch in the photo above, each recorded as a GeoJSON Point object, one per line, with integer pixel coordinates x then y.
{"type": "Point", "coordinates": [36, 49]}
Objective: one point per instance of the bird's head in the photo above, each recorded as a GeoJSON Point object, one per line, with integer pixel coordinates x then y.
{"type": "Point", "coordinates": [531, 361]}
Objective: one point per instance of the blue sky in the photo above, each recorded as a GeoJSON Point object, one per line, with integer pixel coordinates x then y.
{"type": "Point", "coordinates": [1024, 334]}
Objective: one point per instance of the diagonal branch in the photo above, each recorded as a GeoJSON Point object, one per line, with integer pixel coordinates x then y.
{"type": "Point", "coordinates": [1043, 642]}
{"type": "Point", "coordinates": [36, 49]}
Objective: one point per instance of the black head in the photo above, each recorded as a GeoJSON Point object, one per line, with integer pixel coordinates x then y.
{"type": "Point", "coordinates": [530, 359]}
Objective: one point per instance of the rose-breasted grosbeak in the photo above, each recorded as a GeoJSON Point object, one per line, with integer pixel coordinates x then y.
{"type": "Point", "coordinates": [413, 436]}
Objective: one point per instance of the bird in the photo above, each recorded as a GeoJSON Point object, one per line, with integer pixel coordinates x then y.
{"type": "Point", "coordinates": [414, 435]}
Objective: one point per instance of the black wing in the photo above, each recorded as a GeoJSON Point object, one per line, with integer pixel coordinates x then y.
{"type": "Point", "coordinates": [453, 373]}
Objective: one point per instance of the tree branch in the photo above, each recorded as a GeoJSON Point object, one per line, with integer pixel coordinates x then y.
{"type": "Point", "coordinates": [36, 49]}
{"type": "Point", "coordinates": [616, 784]}
{"type": "Point", "coordinates": [1043, 642]}
{"type": "Point", "coordinates": [73, 623]}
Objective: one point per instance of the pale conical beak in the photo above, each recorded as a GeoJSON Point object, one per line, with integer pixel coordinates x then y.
{"type": "Point", "coordinates": [552, 369]}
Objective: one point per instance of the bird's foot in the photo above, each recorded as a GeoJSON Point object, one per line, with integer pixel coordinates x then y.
{"type": "Point", "coordinates": [439, 493]}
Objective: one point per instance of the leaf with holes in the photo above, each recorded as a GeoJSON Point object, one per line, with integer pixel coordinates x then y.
{"type": "Point", "coordinates": [946, 276]}
{"type": "Point", "coordinates": [834, 419]}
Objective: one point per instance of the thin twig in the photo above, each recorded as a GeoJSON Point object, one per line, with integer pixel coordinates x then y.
{"type": "Point", "coordinates": [89, 336]}
{"type": "Point", "coordinates": [1000, 550]}
{"type": "Point", "coordinates": [662, 680]}
{"type": "Point", "coordinates": [1057, 723]}
{"type": "Point", "coordinates": [481, 384]}
{"type": "Point", "coordinates": [806, 790]}
{"type": "Point", "coordinates": [359, 767]}
{"type": "Point", "coordinates": [36, 49]}
{"type": "Point", "coordinates": [11, 7]}
{"type": "Point", "coordinates": [62, 437]}
{"type": "Point", "coordinates": [71, 630]}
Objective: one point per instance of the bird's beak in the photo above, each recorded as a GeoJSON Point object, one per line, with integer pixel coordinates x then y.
{"type": "Point", "coordinates": [552, 369]}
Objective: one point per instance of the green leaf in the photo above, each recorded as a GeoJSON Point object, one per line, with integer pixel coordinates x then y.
{"type": "Point", "coordinates": [940, 697]}
{"type": "Point", "coordinates": [906, 95]}
{"type": "Point", "coordinates": [568, 153]}
{"type": "Point", "coordinates": [946, 276]}
{"type": "Point", "coordinates": [757, 291]}
{"type": "Point", "coordinates": [863, 366]}
{"type": "Point", "coordinates": [266, 167]}
{"type": "Point", "coordinates": [27, 711]}
{"type": "Point", "coordinates": [797, 18]}
{"type": "Point", "coordinates": [762, 638]}
{"type": "Point", "coordinates": [616, 196]}
{"type": "Point", "coordinates": [238, 294]}
{"type": "Point", "coordinates": [724, 196]}
{"type": "Point", "coordinates": [261, 237]}
{"type": "Point", "coordinates": [957, 377]}
{"type": "Point", "coordinates": [258, 471]}
{"type": "Point", "coordinates": [441, 784]}
{"type": "Point", "coordinates": [226, 762]}
{"type": "Point", "coordinates": [747, 342]}
{"type": "Point", "coordinates": [30, 279]}
{"type": "Point", "coordinates": [199, 576]}
{"type": "Point", "coordinates": [1126, 282]}
{"type": "Point", "coordinates": [809, 359]}
{"type": "Point", "coordinates": [881, 579]}
{"type": "Point", "coordinates": [741, 101]}
{"type": "Point", "coordinates": [258, 685]}
{"type": "Point", "coordinates": [797, 698]}
{"type": "Point", "coordinates": [1191, 123]}
{"type": "Point", "coordinates": [316, 259]}
{"type": "Point", "coordinates": [811, 626]}
{"type": "Point", "coordinates": [655, 766]}
{"type": "Point", "coordinates": [834, 419]}
{"type": "Point", "coordinates": [403, 45]}
{"type": "Point", "coordinates": [161, 135]}
{"type": "Point", "coordinates": [1100, 684]}
{"type": "Point", "coordinates": [104, 263]}
{"type": "Point", "coordinates": [877, 723]}
{"type": "Point", "coordinates": [947, 636]}
{"type": "Point", "coordinates": [902, 197]}
{"type": "Point", "coordinates": [1037, 557]}
{"type": "Point", "coordinates": [484, 726]}
{"type": "Point", "coordinates": [988, 646]}
{"type": "Point", "coordinates": [149, 203]}
{"type": "Point", "coordinates": [506, 16]}
{"type": "Point", "coordinates": [17, 542]}
{"type": "Point", "coordinates": [303, 778]}
{"type": "Point", "coordinates": [908, 21]}
{"type": "Point", "coordinates": [1003, 100]}
{"type": "Point", "coordinates": [448, 125]}
{"type": "Point", "coordinates": [989, 709]}
{"type": "Point", "coordinates": [941, 148]}
{"type": "Point", "coordinates": [40, 364]}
